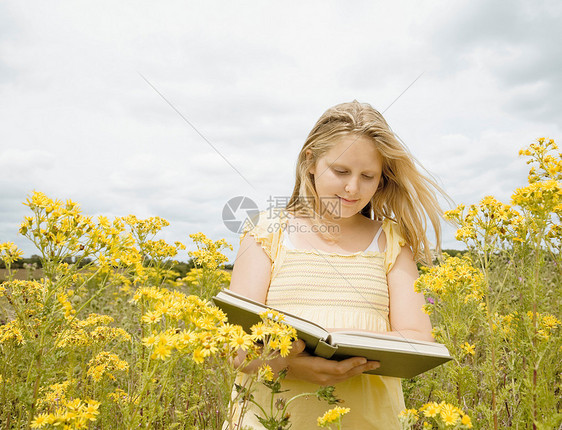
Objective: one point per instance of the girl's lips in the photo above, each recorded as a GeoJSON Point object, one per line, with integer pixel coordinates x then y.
{"type": "Point", "coordinates": [348, 201]}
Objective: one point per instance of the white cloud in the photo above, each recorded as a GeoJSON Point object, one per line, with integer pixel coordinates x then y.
{"type": "Point", "coordinates": [80, 122]}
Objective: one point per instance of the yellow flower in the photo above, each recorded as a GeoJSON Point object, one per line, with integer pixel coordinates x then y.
{"type": "Point", "coordinates": [258, 331]}
{"type": "Point", "coordinates": [151, 317]}
{"type": "Point", "coordinates": [455, 278]}
{"type": "Point", "coordinates": [40, 421]}
{"type": "Point", "coordinates": [265, 373]}
{"type": "Point", "coordinates": [469, 349]}
{"type": "Point", "coordinates": [431, 409]}
{"type": "Point", "coordinates": [185, 338]}
{"type": "Point", "coordinates": [449, 414]}
{"type": "Point", "coordinates": [465, 420]}
{"type": "Point", "coordinates": [285, 346]}
{"type": "Point", "coordinates": [149, 341]}
{"type": "Point", "coordinates": [550, 321]}
{"type": "Point", "coordinates": [161, 352]}
{"type": "Point", "coordinates": [90, 412]}
{"type": "Point", "coordinates": [198, 356]}
{"type": "Point", "coordinates": [240, 340]}
{"type": "Point", "coordinates": [408, 417]}
{"type": "Point", "coordinates": [427, 309]}
{"type": "Point", "coordinates": [332, 416]}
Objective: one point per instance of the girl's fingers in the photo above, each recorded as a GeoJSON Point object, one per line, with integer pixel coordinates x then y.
{"type": "Point", "coordinates": [353, 366]}
{"type": "Point", "coordinates": [348, 364]}
{"type": "Point", "coordinates": [297, 347]}
{"type": "Point", "coordinates": [370, 365]}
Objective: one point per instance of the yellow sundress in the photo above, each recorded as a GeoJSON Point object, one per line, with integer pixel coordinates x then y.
{"type": "Point", "coordinates": [335, 291]}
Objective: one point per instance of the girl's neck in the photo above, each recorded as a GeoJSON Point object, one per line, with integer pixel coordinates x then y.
{"type": "Point", "coordinates": [347, 223]}
{"type": "Point", "coordinates": [343, 235]}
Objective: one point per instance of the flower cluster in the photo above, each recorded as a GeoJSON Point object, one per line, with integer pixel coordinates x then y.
{"type": "Point", "coordinates": [274, 331]}
{"type": "Point", "coordinates": [332, 416]}
{"type": "Point", "coordinates": [490, 224]}
{"type": "Point", "coordinates": [436, 415]}
{"type": "Point", "coordinates": [121, 397]}
{"type": "Point", "coordinates": [74, 414]}
{"type": "Point", "coordinates": [495, 308]}
{"type": "Point", "coordinates": [546, 165]}
{"type": "Point", "coordinates": [60, 231]}
{"type": "Point", "coordinates": [195, 275]}
{"type": "Point", "coordinates": [11, 332]}
{"type": "Point", "coordinates": [142, 229]}
{"type": "Point", "coordinates": [455, 278]}
{"type": "Point", "coordinates": [54, 394]}
{"type": "Point", "coordinates": [545, 323]}
{"type": "Point", "coordinates": [91, 265]}
{"type": "Point", "coordinates": [91, 331]}
{"type": "Point", "coordinates": [208, 253]}
{"type": "Point", "coordinates": [486, 224]}
{"type": "Point", "coordinates": [205, 330]}
{"type": "Point", "coordinates": [208, 276]}
{"type": "Point", "coordinates": [9, 253]}
{"type": "Point", "coordinates": [540, 198]}
{"type": "Point", "coordinates": [104, 363]}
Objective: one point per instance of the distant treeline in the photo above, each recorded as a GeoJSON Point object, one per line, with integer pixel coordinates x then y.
{"type": "Point", "coordinates": [180, 266]}
{"type": "Point", "coordinates": [35, 262]}
{"type": "Point", "coordinates": [454, 252]}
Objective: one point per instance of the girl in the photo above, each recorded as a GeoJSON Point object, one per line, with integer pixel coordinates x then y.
{"type": "Point", "coordinates": [343, 254]}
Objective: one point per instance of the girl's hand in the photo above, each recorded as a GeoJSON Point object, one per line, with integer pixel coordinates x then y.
{"type": "Point", "coordinates": [303, 366]}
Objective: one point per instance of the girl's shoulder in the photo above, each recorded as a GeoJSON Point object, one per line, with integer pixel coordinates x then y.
{"type": "Point", "coordinates": [266, 229]}
{"type": "Point", "coordinates": [266, 222]}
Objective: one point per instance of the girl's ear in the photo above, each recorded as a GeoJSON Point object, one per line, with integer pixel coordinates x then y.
{"type": "Point", "coordinates": [309, 158]}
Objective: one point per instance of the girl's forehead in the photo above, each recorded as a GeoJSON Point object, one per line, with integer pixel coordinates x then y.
{"type": "Point", "coordinates": [352, 148]}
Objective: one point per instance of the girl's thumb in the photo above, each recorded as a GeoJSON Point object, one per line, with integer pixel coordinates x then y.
{"type": "Point", "coordinates": [298, 346]}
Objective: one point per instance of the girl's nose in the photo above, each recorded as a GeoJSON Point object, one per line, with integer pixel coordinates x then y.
{"type": "Point", "coordinates": [352, 186]}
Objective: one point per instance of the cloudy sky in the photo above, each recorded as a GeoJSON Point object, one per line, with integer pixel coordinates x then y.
{"type": "Point", "coordinates": [173, 108]}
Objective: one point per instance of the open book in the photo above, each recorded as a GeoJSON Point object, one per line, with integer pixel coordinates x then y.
{"type": "Point", "coordinates": [399, 357]}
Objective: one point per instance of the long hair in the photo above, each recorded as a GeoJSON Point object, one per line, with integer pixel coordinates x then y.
{"type": "Point", "coordinates": [405, 195]}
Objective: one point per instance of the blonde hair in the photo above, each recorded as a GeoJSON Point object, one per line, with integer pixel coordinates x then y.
{"type": "Point", "coordinates": [405, 195]}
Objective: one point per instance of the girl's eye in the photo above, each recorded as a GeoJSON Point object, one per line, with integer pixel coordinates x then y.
{"type": "Point", "coordinates": [340, 172]}
{"type": "Point", "coordinates": [368, 177]}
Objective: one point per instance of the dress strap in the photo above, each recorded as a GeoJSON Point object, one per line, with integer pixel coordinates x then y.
{"type": "Point", "coordinates": [394, 242]}
{"type": "Point", "coordinates": [374, 245]}
{"type": "Point", "coordinates": [287, 240]}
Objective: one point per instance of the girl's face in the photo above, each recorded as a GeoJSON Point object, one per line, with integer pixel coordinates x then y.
{"type": "Point", "coordinates": [347, 176]}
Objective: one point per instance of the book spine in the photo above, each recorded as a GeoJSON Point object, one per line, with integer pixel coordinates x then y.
{"type": "Point", "coordinates": [324, 349]}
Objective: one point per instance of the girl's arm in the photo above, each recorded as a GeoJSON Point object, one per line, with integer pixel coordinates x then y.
{"type": "Point", "coordinates": [407, 318]}
{"type": "Point", "coordinates": [252, 271]}
{"type": "Point", "coordinates": [251, 276]}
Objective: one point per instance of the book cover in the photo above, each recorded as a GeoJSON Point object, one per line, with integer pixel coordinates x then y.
{"type": "Point", "coordinates": [399, 357]}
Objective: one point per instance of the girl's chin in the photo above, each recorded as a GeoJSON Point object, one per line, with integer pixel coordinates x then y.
{"type": "Point", "coordinates": [341, 214]}
{"type": "Point", "coordinates": [340, 208]}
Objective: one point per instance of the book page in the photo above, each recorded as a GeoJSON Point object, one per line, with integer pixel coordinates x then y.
{"type": "Point", "coordinates": [380, 335]}
{"type": "Point", "coordinates": [230, 300]}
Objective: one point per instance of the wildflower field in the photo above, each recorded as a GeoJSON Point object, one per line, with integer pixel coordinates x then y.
{"type": "Point", "coordinates": [111, 337]}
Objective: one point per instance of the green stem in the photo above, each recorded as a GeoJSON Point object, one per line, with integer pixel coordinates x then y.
{"type": "Point", "coordinates": [156, 401]}
{"type": "Point", "coordinates": [140, 396]}
{"type": "Point", "coordinates": [489, 316]}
